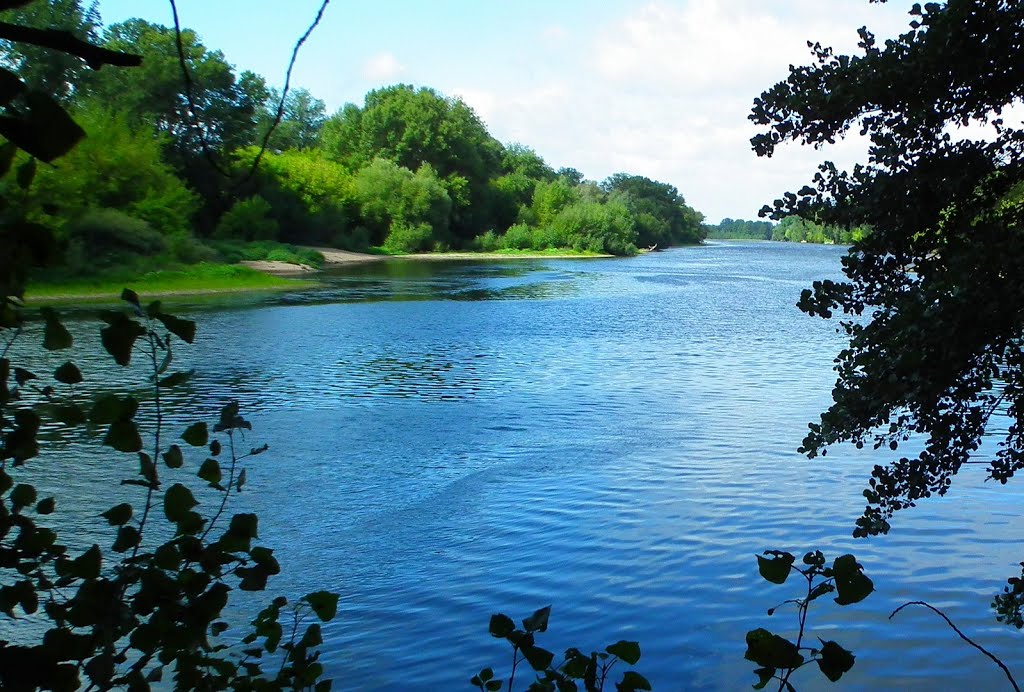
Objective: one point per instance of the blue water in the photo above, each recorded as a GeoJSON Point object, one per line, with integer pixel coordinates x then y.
{"type": "Point", "coordinates": [613, 437]}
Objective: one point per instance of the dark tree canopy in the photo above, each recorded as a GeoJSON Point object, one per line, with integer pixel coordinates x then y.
{"type": "Point", "coordinates": [662, 215]}
{"type": "Point", "coordinates": [43, 68]}
{"type": "Point", "coordinates": [227, 106]}
{"type": "Point", "coordinates": [933, 298]}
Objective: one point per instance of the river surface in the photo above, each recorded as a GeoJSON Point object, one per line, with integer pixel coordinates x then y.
{"type": "Point", "coordinates": [614, 437]}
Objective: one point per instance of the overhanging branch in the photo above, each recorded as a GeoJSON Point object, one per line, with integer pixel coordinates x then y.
{"type": "Point", "coordinates": [66, 42]}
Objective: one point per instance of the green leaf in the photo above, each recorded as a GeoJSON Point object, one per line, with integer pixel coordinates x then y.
{"type": "Point", "coordinates": [772, 651]}
{"type": "Point", "coordinates": [123, 436]}
{"type": "Point", "coordinates": [183, 329]}
{"type": "Point", "coordinates": [245, 526]}
{"type": "Point", "coordinates": [324, 604]}
{"type": "Point", "coordinates": [501, 625]}
{"type": "Point", "coordinates": [118, 514]}
{"type": "Point", "coordinates": [55, 336]}
{"type": "Point", "coordinates": [539, 659]}
{"type": "Point", "coordinates": [88, 565]}
{"type": "Point", "coordinates": [765, 676]}
{"type": "Point", "coordinates": [240, 482]}
{"type": "Point", "coordinates": [178, 502]}
{"type": "Point", "coordinates": [631, 681]}
{"type": "Point", "coordinates": [493, 685]}
{"type": "Point", "coordinates": [835, 660]}
{"type": "Point", "coordinates": [627, 651]}
{"type": "Point", "coordinates": [119, 336]}
{"type": "Point", "coordinates": [70, 415]}
{"type": "Point", "coordinates": [26, 174]}
{"type": "Point", "coordinates": [176, 379]}
{"type": "Point", "coordinates": [21, 376]}
{"type": "Point", "coordinates": [52, 132]}
{"type": "Point", "coordinates": [130, 296]}
{"type": "Point", "coordinates": [23, 495]}
{"type": "Point", "coordinates": [7, 152]}
{"type": "Point", "coordinates": [210, 472]}
{"type": "Point", "coordinates": [196, 435]}
{"type": "Point", "coordinates": [776, 570]}
{"type": "Point", "coordinates": [538, 622]}
{"type": "Point", "coordinates": [173, 457]}
{"type": "Point", "coordinates": [127, 538]}
{"type": "Point", "coordinates": [852, 584]}
{"type": "Point", "coordinates": [108, 408]}
{"type": "Point", "coordinates": [68, 373]}
{"type": "Point", "coordinates": [46, 506]}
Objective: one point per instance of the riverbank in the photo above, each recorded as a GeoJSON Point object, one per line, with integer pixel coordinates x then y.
{"type": "Point", "coordinates": [195, 280]}
{"type": "Point", "coordinates": [248, 276]}
{"type": "Point", "coordinates": [334, 258]}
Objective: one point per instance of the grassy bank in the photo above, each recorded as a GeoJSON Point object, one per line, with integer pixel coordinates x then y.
{"type": "Point", "coordinates": [194, 279]}
{"type": "Point", "coordinates": [548, 253]}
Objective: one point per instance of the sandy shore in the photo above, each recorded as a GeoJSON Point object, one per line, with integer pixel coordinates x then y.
{"type": "Point", "coordinates": [338, 258]}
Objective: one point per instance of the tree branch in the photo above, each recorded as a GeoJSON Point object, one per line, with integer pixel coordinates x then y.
{"type": "Point", "coordinates": [66, 42]}
{"type": "Point", "coordinates": [979, 647]}
{"type": "Point", "coordinates": [284, 91]}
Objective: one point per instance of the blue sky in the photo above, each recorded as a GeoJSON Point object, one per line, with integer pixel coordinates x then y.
{"type": "Point", "coordinates": [657, 88]}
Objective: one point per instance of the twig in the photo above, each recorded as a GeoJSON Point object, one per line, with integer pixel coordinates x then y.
{"type": "Point", "coordinates": [284, 92]}
{"type": "Point", "coordinates": [190, 97]}
{"type": "Point", "coordinates": [979, 647]}
{"type": "Point", "coordinates": [66, 42]}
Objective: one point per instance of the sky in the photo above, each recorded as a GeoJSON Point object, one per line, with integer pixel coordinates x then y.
{"type": "Point", "coordinates": [660, 88]}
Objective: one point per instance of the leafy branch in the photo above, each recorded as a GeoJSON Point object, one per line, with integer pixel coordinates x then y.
{"type": "Point", "coordinates": [777, 657]}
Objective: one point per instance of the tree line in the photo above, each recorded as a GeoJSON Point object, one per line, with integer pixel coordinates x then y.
{"type": "Point", "coordinates": [791, 228]}
{"type": "Point", "coordinates": [166, 174]}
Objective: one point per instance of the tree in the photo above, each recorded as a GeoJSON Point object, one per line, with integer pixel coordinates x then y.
{"type": "Point", "coordinates": [413, 127]}
{"type": "Point", "coordinates": [931, 299]}
{"type": "Point", "coordinates": [39, 67]}
{"type": "Point", "coordinates": [118, 166]}
{"type": "Point", "coordinates": [661, 213]}
{"type": "Point", "coordinates": [303, 117]}
{"type": "Point", "coordinates": [226, 106]}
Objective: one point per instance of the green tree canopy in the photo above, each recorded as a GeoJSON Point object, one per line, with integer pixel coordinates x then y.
{"type": "Point", "coordinates": [662, 216]}
{"type": "Point", "coordinates": [226, 106]}
{"type": "Point", "coordinates": [412, 127]}
{"type": "Point", "coordinates": [42, 68]}
{"type": "Point", "coordinates": [933, 295]}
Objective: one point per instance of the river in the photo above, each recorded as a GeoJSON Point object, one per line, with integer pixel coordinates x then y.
{"type": "Point", "coordinates": [614, 437]}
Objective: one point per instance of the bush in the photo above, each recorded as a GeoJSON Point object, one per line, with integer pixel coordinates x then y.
{"type": "Point", "coordinates": [518, 237]}
{"type": "Point", "coordinates": [488, 242]}
{"type": "Point", "coordinates": [104, 237]}
{"type": "Point", "coordinates": [248, 219]}
{"type": "Point", "coordinates": [405, 237]}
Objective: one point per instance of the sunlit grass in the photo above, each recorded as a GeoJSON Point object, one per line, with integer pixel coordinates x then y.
{"type": "Point", "coordinates": [192, 279]}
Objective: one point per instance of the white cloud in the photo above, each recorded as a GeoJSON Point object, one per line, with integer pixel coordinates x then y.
{"type": "Point", "coordinates": [664, 91]}
{"type": "Point", "coordinates": [382, 67]}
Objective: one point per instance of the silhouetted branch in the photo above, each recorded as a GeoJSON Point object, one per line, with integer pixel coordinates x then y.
{"type": "Point", "coordinates": [979, 647]}
{"type": "Point", "coordinates": [189, 96]}
{"type": "Point", "coordinates": [66, 42]}
{"type": "Point", "coordinates": [287, 85]}
{"type": "Point", "coordinates": [189, 87]}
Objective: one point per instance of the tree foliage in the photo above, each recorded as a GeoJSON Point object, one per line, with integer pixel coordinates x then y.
{"type": "Point", "coordinates": [931, 300]}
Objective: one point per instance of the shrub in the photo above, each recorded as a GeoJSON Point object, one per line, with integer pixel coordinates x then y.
{"type": "Point", "coordinates": [104, 237]}
{"type": "Point", "coordinates": [488, 242]}
{"type": "Point", "coordinates": [405, 237]}
{"type": "Point", "coordinates": [248, 219]}
{"type": "Point", "coordinates": [518, 237]}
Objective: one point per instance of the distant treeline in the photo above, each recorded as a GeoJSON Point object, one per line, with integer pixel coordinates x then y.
{"type": "Point", "coordinates": [791, 229]}
{"type": "Point", "coordinates": [166, 174]}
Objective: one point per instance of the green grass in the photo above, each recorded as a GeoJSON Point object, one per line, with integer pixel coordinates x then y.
{"type": "Point", "coordinates": [191, 279]}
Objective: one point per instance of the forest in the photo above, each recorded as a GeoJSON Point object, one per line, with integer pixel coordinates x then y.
{"type": "Point", "coordinates": [792, 228]}
{"type": "Point", "coordinates": [168, 173]}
